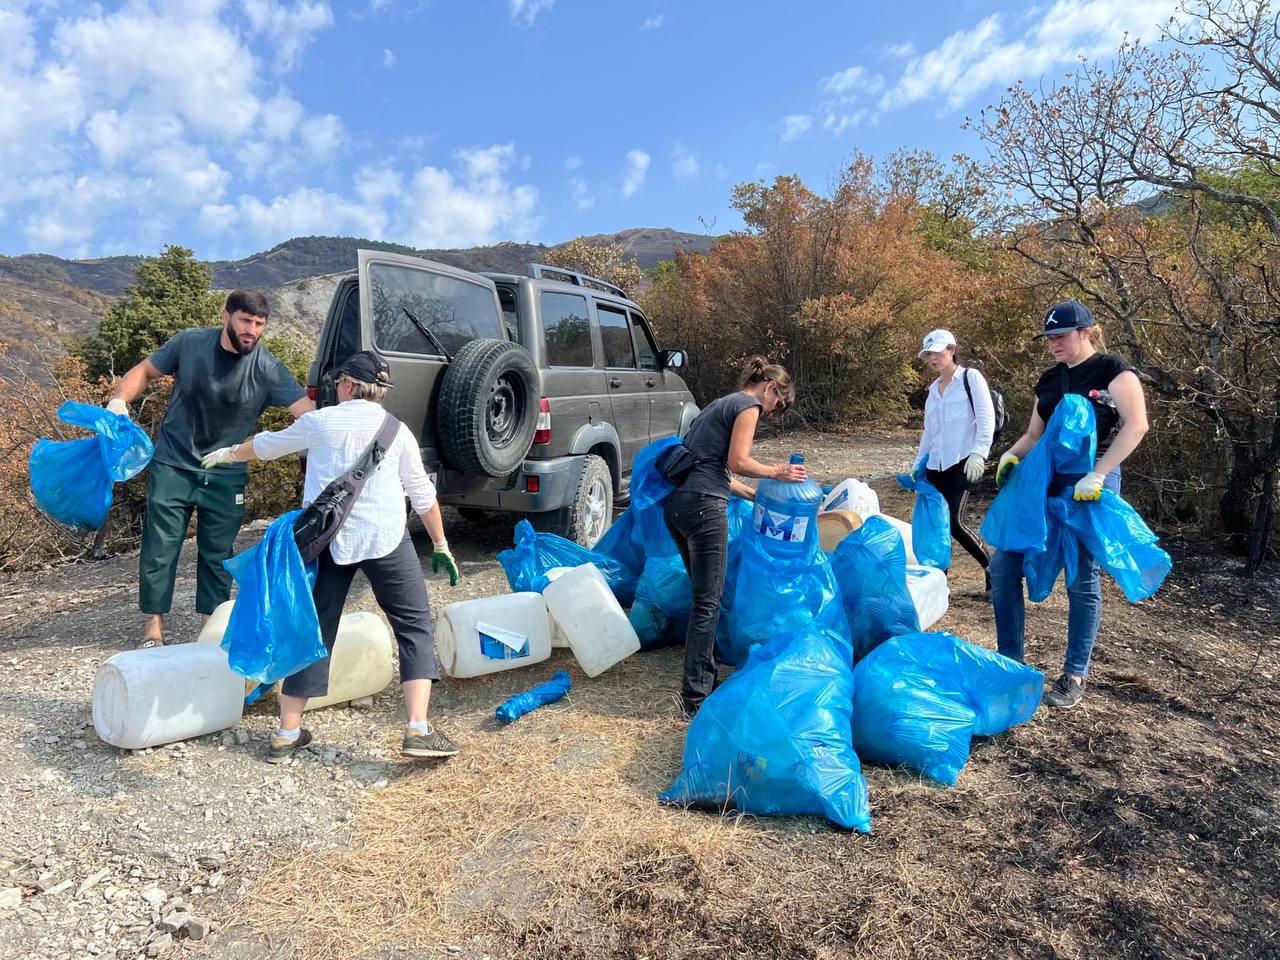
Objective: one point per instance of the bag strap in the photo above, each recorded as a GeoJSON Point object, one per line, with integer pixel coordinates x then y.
{"type": "Point", "coordinates": [968, 391]}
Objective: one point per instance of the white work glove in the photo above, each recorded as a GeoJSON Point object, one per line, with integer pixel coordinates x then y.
{"type": "Point", "coordinates": [1089, 487]}
{"type": "Point", "coordinates": [974, 467]}
{"type": "Point", "coordinates": [215, 458]}
{"type": "Point", "coordinates": [116, 405]}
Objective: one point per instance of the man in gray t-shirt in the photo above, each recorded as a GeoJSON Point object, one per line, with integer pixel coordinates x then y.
{"type": "Point", "coordinates": [223, 380]}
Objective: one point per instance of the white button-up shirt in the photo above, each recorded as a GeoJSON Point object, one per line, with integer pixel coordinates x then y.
{"type": "Point", "coordinates": [334, 438]}
{"type": "Point", "coordinates": [952, 428]}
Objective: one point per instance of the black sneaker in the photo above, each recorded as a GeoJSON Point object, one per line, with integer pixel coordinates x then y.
{"type": "Point", "coordinates": [1065, 693]}
{"type": "Point", "coordinates": [433, 743]}
{"type": "Point", "coordinates": [281, 749]}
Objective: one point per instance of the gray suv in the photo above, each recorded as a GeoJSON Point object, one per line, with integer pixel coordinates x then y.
{"type": "Point", "coordinates": [527, 394]}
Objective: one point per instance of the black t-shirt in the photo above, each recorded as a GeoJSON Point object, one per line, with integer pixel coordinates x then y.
{"type": "Point", "coordinates": [708, 441]}
{"type": "Point", "coordinates": [217, 395]}
{"type": "Point", "coordinates": [1093, 376]}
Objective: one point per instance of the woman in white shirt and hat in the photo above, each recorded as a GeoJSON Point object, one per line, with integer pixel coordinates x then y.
{"type": "Point", "coordinates": [959, 423]}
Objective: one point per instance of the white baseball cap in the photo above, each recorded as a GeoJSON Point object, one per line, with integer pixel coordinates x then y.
{"type": "Point", "coordinates": [937, 341]}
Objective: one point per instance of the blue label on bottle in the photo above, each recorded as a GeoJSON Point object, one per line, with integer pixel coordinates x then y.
{"type": "Point", "coordinates": [497, 650]}
{"type": "Point", "coordinates": [780, 526]}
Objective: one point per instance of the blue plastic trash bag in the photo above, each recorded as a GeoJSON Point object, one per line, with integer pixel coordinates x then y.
{"type": "Point", "coordinates": [930, 522]}
{"type": "Point", "coordinates": [551, 691]}
{"type": "Point", "coordinates": [919, 699]}
{"type": "Point", "coordinates": [664, 598]}
{"type": "Point", "coordinates": [72, 479]}
{"type": "Point", "coordinates": [526, 564]}
{"type": "Point", "coordinates": [870, 566]}
{"type": "Point", "coordinates": [774, 738]}
{"type": "Point", "coordinates": [273, 631]}
{"type": "Point", "coordinates": [648, 486]}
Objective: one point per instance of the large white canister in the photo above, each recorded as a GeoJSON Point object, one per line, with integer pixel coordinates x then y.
{"type": "Point", "coordinates": [903, 528]}
{"type": "Point", "coordinates": [362, 663]}
{"type": "Point", "coordinates": [558, 639]}
{"type": "Point", "coordinates": [929, 592]}
{"type": "Point", "coordinates": [592, 620]}
{"type": "Point", "coordinates": [853, 494]}
{"type": "Point", "coordinates": [491, 634]}
{"type": "Point", "coordinates": [143, 698]}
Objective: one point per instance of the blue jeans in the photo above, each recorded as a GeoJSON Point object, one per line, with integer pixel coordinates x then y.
{"type": "Point", "coordinates": [1084, 600]}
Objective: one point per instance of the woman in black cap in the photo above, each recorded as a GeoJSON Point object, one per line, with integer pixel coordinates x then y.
{"type": "Point", "coordinates": [1112, 386]}
{"type": "Point", "coordinates": [373, 539]}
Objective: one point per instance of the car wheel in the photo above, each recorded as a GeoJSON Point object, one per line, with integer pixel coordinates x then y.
{"type": "Point", "coordinates": [589, 515]}
{"type": "Point", "coordinates": [488, 407]}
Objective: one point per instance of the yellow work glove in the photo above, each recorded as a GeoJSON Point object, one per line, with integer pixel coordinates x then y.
{"type": "Point", "coordinates": [1089, 487]}
{"type": "Point", "coordinates": [1007, 462]}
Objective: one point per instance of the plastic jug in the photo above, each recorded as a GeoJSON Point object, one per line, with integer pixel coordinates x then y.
{"type": "Point", "coordinates": [593, 621]}
{"type": "Point", "coordinates": [558, 639]}
{"type": "Point", "coordinates": [362, 663]}
{"type": "Point", "coordinates": [903, 528]}
{"type": "Point", "coordinates": [212, 631]}
{"type": "Point", "coordinates": [929, 592]}
{"type": "Point", "coordinates": [853, 494]}
{"type": "Point", "coordinates": [492, 634]}
{"type": "Point", "coordinates": [143, 698]}
{"type": "Point", "coordinates": [786, 514]}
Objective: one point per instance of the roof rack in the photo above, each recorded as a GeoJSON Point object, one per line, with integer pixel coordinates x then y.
{"type": "Point", "coordinates": [539, 271]}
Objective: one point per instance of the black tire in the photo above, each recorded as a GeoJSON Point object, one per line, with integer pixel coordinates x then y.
{"type": "Point", "coordinates": [585, 519]}
{"type": "Point", "coordinates": [488, 407]}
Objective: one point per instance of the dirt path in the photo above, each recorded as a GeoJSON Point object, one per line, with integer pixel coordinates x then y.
{"type": "Point", "coordinates": [1144, 823]}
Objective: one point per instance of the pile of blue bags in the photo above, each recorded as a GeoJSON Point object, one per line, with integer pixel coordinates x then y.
{"type": "Point", "coordinates": [72, 479]}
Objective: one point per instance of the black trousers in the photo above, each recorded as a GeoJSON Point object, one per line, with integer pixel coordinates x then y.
{"type": "Point", "coordinates": [401, 592]}
{"type": "Point", "coordinates": [955, 490]}
{"type": "Point", "coordinates": [700, 528]}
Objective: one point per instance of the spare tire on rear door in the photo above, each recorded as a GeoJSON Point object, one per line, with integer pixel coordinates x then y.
{"type": "Point", "coordinates": [488, 407]}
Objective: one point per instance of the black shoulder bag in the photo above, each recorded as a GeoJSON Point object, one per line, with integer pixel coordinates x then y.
{"type": "Point", "coordinates": [321, 520]}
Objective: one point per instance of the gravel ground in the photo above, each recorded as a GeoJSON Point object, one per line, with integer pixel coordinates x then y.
{"type": "Point", "coordinates": [113, 853]}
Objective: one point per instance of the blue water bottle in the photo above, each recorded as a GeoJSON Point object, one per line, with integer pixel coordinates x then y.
{"type": "Point", "coordinates": [786, 514]}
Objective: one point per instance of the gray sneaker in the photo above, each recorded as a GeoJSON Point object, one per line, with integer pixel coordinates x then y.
{"type": "Point", "coordinates": [433, 743]}
{"type": "Point", "coordinates": [281, 749]}
{"type": "Point", "coordinates": [1066, 692]}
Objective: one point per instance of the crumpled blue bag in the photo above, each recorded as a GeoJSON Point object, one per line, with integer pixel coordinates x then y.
{"type": "Point", "coordinates": [526, 564]}
{"type": "Point", "coordinates": [273, 631]}
{"type": "Point", "coordinates": [664, 598]}
{"type": "Point", "coordinates": [774, 738]}
{"type": "Point", "coordinates": [930, 521]}
{"type": "Point", "coordinates": [516, 707]}
{"type": "Point", "coordinates": [870, 567]}
{"type": "Point", "coordinates": [1050, 531]}
{"type": "Point", "coordinates": [72, 479]}
{"type": "Point", "coordinates": [920, 698]}
{"type": "Point", "coordinates": [648, 486]}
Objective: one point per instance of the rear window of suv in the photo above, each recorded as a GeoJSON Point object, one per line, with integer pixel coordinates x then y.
{"type": "Point", "coordinates": [457, 311]}
{"type": "Point", "coordinates": [566, 330]}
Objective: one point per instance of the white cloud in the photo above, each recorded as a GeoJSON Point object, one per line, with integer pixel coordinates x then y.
{"type": "Point", "coordinates": [795, 126]}
{"type": "Point", "coordinates": [900, 51]}
{"type": "Point", "coordinates": [524, 12]}
{"type": "Point", "coordinates": [280, 116]}
{"type": "Point", "coordinates": [637, 169]}
{"type": "Point", "coordinates": [581, 195]}
{"type": "Point", "coordinates": [476, 208]}
{"type": "Point", "coordinates": [653, 23]}
{"type": "Point", "coordinates": [388, 58]}
{"type": "Point", "coordinates": [288, 29]}
{"type": "Point", "coordinates": [969, 61]}
{"type": "Point", "coordinates": [321, 136]}
{"type": "Point", "coordinates": [684, 165]}
{"type": "Point", "coordinates": [721, 172]}
{"type": "Point", "coordinates": [572, 163]}
{"type": "Point", "coordinates": [303, 211]}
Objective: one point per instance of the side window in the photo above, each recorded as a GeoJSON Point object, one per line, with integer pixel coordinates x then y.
{"type": "Point", "coordinates": [405, 300]}
{"type": "Point", "coordinates": [348, 329]}
{"type": "Point", "coordinates": [566, 330]}
{"type": "Point", "coordinates": [615, 334]}
{"type": "Point", "coordinates": [510, 318]}
{"type": "Point", "coordinates": [645, 349]}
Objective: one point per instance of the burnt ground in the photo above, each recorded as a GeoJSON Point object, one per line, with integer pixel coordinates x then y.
{"type": "Point", "coordinates": [1144, 823]}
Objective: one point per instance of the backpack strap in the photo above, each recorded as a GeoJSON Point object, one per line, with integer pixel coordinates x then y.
{"type": "Point", "coordinates": [968, 391]}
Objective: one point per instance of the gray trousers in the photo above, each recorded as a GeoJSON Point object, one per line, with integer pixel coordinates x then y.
{"type": "Point", "coordinates": [401, 592]}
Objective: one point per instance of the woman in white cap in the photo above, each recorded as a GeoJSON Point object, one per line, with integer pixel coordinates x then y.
{"type": "Point", "coordinates": [959, 422]}
{"type": "Point", "coordinates": [1113, 388]}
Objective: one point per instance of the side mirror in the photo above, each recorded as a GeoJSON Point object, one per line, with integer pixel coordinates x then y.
{"type": "Point", "coordinates": [672, 359]}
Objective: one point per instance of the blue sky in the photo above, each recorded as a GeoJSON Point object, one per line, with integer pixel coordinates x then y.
{"type": "Point", "coordinates": [231, 125]}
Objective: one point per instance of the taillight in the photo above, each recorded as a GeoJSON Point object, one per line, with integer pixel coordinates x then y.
{"type": "Point", "coordinates": [532, 483]}
{"type": "Point", "coordinates": [543, 433]}
{"type": "Point", "coordinates": [313, 394]}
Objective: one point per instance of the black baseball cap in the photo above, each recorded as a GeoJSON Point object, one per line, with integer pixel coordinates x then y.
{"type": "Point", "coordinates": [1065, 317]}
{"type": "Point", "coordinates": [367, 367]}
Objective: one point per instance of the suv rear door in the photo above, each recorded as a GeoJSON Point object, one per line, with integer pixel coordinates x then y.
{"type": "Point", "coordinates": [399, 297]}
{"type": "Point", "coordinates": [627, 390]}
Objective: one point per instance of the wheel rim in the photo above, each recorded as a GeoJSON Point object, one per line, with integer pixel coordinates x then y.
{"type": "Point", "coordinates": [597, 511]}
{"type": "Point", "coordinates": [504, 412]}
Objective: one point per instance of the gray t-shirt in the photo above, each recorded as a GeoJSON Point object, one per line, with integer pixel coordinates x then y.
{"type": "Point", "coordinates": [708, 441]}
{"type": "Point", "coordinates": [217, 395]}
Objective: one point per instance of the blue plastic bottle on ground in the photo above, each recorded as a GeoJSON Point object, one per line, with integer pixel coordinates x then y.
{"type": "Point", "coordinates": [786, 514]}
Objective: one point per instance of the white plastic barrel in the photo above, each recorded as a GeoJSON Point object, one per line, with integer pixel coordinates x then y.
{"type": "Point", "coordinates": [853, 494]}
{"type": "Point", "coordinates": [558, 639]}
{"type": "Point", "coordinates": [904, 528]}
{"type": "Point", "coordinates": [492, 634]}
{"type": "Point", "coordinates": [929, 593]}
{"type": "Point", "coordinates": [598, 630]}
{"type": "Point", "coordinates": [362, 663]}
{"type": "Point", "coordinates": [143, 698]}
{"type": "Point", "coordinates": [212, 631]}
